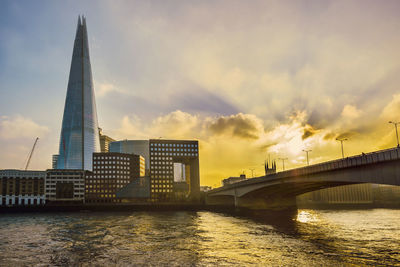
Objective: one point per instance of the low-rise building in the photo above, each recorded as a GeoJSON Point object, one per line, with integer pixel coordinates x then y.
{"type": "Point", "coordinates": [18, 187]}
{"type": "Point", "coordinates": [111, 172]}
{"type": "Point", "coordinates": [66, 186]}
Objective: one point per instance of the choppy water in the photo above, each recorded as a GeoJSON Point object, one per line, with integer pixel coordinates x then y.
{"type": "Point", "coordinates": [310, 238]}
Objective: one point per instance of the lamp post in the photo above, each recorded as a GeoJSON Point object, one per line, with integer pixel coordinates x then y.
{"type": "Point", "coordinates": [283, 162]}
{"type": "Point", "coordinates": [341, 140]}
{"type": "Point", "coordinates": [397, 133]}
{"type": "Point", "coordinates": [252, 170]}
{"type": "Point", "coordinates": [308, 163]}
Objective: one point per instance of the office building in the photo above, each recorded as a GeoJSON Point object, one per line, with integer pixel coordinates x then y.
{"type": "Point", "coordinates": [138, 147]}
{"type": "Point", "coordinates": [111, 172]}
{"type": "Point", "coordinates": [164, 182]}
{"type": "Point", "coordinates": [22, 188]}
{"type": "Point", "coordinates": [104, 141]}
{"type": "Point", "coordinates": [67, 186]}
{"type": "Point", "coordinates": [79, 133]}
{"type": "Point", "coordinates": [137, 191]}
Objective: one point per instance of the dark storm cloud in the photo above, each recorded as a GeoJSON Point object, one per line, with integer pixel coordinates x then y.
{"type": "Point", "coordinates": [308, 132]}
{"type": "Point", "coordinates": [238, 125]}
{"type": "Point", "coordinates": [329, 136]}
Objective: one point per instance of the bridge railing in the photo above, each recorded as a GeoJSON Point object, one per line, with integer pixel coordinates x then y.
{"type": "Point", "coordinates": [353, 161]}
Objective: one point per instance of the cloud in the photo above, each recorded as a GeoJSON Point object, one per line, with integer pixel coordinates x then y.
{"type": "Point", "coordinates": [102, 89]}
{"type": "Point", "coordinates": [308, 131]}
{"type": "Point", "coordinates": [18, 127]}
{"type": "Point", "coordinates": [391, 112]}
{"type": "Point", "coordinates": [351, 112]}
{"type": "Point", "coordinates": [239, 125]}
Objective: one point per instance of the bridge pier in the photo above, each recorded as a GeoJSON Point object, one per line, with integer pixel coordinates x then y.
{"type": "Point", "coordinates": [253, 203]}
{"type": "Point", "coordinates": [267, 203]}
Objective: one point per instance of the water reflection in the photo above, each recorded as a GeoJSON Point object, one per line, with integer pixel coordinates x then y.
{"type": "Point", "coordinates": [303, 237]}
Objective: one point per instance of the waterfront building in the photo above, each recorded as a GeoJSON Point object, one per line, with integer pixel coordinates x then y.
{"type": "Point", "coordinates": [137, 191]}
{"type": "Point", "coordinates": [232, 180]}
{"type": "Point", "coordinates": [18, 188]}
{"type": "Point", "coordinates": [164, 183]}
{"type": "Point", "coordinates": [104, 141]}
{"type": "Point", "coordinates": [138, 147]}
{"type": "Point", "coordinates": [79, 133]}
{"type": "Point", "coordinates": [67, 186]}
{"type": "Point", "coordinates": [111, 172]}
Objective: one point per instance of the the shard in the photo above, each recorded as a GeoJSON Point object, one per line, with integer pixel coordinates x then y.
{"type": "Point", "coordinates": [79, 133]}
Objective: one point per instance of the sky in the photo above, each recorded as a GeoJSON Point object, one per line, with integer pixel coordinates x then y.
{"type": "Point", "coordinates": [251, 80]}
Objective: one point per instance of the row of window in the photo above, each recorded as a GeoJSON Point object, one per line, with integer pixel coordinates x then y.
{"type": "Point", "coordinates": [102, 181]}
{"type": "Point", "coordinates": [111, 162]}
{"type": "Point", "coordinates": [12, 177]}
{"type": "Point", "coordinates": [110, 167]}
{"type": "Point", "coordinates": [160, 158]}
{"type": "Point", "coordinates": [161, 190]}
{"type": "Point", "coordinates": [102, 186]}
{"type": "Point", "coordinates": [173, 149]}
{"type": "Point", "coordinates": [161, 181]}
{"type": "Point", "coordinates": [161, 186]}
{"type": "Point", "coordinates": [161, 176]}
{"type": "Point", "coordinates": [104, 196]}
{"type": "Point", "coordinates": [163, 172]}
{"type": "Point", "coordinates": [174, 154]}
{"type": "Point", "coordinates": [173, 145]}
{"type": "Point", "coordinates": [111, 171]}
{"type": "Point", "coordinates": [110, 157]}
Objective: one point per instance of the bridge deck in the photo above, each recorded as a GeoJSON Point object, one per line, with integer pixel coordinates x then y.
{"type": "Point", "coordinates": [354, 161]}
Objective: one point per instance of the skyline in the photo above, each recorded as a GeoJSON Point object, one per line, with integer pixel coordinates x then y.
{"type": "Point", "coordinates": [246, 81]}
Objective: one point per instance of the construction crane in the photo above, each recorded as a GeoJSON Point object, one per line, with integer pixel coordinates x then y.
{"type": "Point", "coordinates": [30, 154]}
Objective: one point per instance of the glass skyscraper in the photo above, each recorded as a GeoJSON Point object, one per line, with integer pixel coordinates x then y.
{"type": "Point", "coordinates": [80, 131]}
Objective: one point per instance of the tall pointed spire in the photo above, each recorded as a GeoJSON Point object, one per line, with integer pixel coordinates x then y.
{"type": "Point", "coordinates": [79, 134]}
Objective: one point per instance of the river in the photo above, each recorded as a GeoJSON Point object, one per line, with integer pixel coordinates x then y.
{"type": "Point", "coordinates": [202, 238]}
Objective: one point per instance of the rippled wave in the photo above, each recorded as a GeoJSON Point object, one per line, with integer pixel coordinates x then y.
{"type": "Point", "coordinates": [308, 238]}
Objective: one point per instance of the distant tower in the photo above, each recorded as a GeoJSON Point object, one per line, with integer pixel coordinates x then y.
{"type": "Point", "coordinates": [79, 133]}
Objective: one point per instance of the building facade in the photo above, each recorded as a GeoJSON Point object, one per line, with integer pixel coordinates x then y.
{"type": "Point", "coordinates": [105, 142]}
{"type": "Point", "coordinates": [22, 188]}
{"type": "Point", "coordinates": [137, 147]}
{"type": "Point", "coordinates": [111, 172]}
{"type": "Point", "coordinates": [66, 186]}
{"type": "Point", "coordinates": [79, 133]}
{"type": "Point", "coordinates": [163, 155]}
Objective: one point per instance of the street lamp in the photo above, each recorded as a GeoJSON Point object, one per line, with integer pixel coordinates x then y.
{"type": "Point", "coordinates": [283, 162]}
{"type": "Point", "coordinates": [308, 163]}
{"type": "Point", "coordinates": [341, 140]}
{"type": "Point", "coordinates": [397, 133]}
{"type": "Point", "coordinates": [252, 170]}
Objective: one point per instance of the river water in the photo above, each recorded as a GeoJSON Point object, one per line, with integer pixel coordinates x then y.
{"type": "Point", "coordinates": [305, 238]}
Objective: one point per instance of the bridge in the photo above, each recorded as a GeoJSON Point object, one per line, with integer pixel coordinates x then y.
{"type": "Point", "coordinates": [279, 191]}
